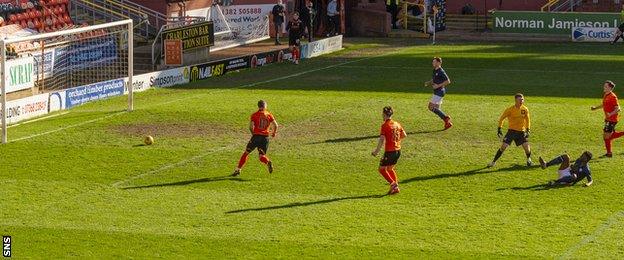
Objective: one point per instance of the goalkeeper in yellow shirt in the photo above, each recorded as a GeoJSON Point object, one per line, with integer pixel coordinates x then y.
{"type": "Point", "coordinates": [518, 132]}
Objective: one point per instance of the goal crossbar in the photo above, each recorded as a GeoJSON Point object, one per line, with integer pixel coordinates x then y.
{"type": "Point", "coordinates": [38, 37]}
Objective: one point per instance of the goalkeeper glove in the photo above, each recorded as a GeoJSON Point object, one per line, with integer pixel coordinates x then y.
{"type": "Point", "coordinates": [499, 133]}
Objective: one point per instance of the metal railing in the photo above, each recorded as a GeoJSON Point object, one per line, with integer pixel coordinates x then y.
{"type": "Point", "coordinates": [94, 11]}
{"type": "Point", "coordinates": [566, 6]}
{"type": "Point", "coordinates": [137, 16]}
{"type": "Point", "coordinates": [111, 10]}
{"type": "Point", "coordinates": [172, 22]}
{"type": "Point", "coordinates": [157, 19]}
{"type": "Point", "coordinates": [154, 20]}
{"type": "Point", "coordinates": [405, 16]}
{"type": "Point", "coordinates": [549, 5]}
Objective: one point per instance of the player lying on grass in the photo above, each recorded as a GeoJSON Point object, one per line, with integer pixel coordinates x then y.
{"type": "Point", "coordinates": [391, 134]}
{"type": "Point", "coordinates": [611, 109]}
{"type": "Point", "coordinates": [570, 174]}
{"type": "Point", "coordinates": [259, 126]}
{"type": "Point", "coordinates": [438, 82]}
{"type": "Point", "coordinates": [518, 132]}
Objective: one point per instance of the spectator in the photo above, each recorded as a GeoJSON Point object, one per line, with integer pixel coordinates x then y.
{"type": "Point", "coordinates": [416, 11]}
{"type": "Point", "coordinates": [392, 7]}
{"type": "Point", "coordinates": [307, 15]}
{"type": "Point", "coordinates": [620, 31]}
{"type": "Point", "coordinates": [468, 9]}
{"type": "Point", "coordinates": [278, 20]}
{"type": "Point", "coordinates": [332, 18]}
{"type": "Point", "coordinates": [295, 30]}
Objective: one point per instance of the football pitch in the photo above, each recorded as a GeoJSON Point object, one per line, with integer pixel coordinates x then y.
{"type": "Point", "coordinates": [80, 184]}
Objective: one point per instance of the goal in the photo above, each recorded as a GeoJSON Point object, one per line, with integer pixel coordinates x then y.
{"type": "Point", "coordinates": [47, 72]}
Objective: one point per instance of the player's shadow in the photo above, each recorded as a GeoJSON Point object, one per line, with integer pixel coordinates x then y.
{"type": "Point", "coordinates": [187, 182]}
{"type": "Point", "coordinates": [305, 204]}
{"type": "Point", "coordinates": [482, 170]}
{"type": "Point", "coordinates": [536, 187]}
{"type": "Point", "coordinates": [361, 138]}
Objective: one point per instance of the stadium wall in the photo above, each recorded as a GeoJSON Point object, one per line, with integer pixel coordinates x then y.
{"type": "Point", "coordinates": [481, 6]}
{"type": "Point", "coordinates": [39, 105]}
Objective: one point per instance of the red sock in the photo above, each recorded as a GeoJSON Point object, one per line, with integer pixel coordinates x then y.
{"type": "Point", "coordinates": [608, 145]}
{"type": "Point", "coordinates": [392, 174]}
{"type": "Point", "coordinates": [243, 160]}
{"type": "Point", "coordinates": [616, 135]}
{"type": "Point", "coordinates": [385, 174]}
{"type": "Point", "coordinates": [295, 53]}
{"type": "Point", "coordinates": [264, 159]}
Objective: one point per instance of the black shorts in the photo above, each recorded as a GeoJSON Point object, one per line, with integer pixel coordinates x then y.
{"type": "Point", "coordinates": [390, 158]}
{"type": "Point", "coordinates": [609, 127]}
{"type": "Point", "coordinates": [293, 41]}
{"type": "Point", "coordinates": [515, 136]}
{"type": "Point", "coordinates": [258, 141]}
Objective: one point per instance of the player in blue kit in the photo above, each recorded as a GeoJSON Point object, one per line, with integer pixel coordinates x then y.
{"type": "Point", "coordinates": [570, 174]}
{"type": "Point", "coordinates": [438, 82]}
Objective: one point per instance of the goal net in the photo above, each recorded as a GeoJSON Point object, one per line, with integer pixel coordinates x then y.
{"type": "Point", "coordinates": [231, 33]}
{"type": "Point", "coordinates": [60, 70]}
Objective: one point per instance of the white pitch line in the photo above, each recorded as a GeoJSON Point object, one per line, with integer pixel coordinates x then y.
{"type": "Point", "coordinates": [483, 69]}
{"type": "Point", "coordinates": [39, 119]}
{"type": "Point", "coordinates": [204, 154]}
{"type": "Point", "coordinates": [66, 127]}
{"type": "Point", "coordinates": [275, 79]}
{"type": "Point", "coordinates": [592, 237]}
{"type": "Point", "coordinates": [218, 91]}
{"type": "Point", "coordinates": [171, 166]}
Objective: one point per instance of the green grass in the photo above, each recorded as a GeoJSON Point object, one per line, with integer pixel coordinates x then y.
{"type": "Point", "coordinates": [90, 191]}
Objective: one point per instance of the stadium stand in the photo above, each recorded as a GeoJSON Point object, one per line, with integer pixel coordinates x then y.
{"type": "Point", "coordinates": [37, 15]}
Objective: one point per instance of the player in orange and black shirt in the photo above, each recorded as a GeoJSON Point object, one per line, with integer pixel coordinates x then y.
{"type": "Point", "coordinates": [260, 128]}
{"type": "Point", "coordinates": [611, 109]}
{"type": "Point", "coordinates": [391, 133]}
{"type": "Point", "coordinates": [295, 30]}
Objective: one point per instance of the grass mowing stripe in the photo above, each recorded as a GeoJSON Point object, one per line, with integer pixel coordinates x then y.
{"type": "Point", "coordinates": [67, 127]}
{"type": "Point", "coordinates": [281, 78]}
{"type": "Point", "coordinates": [316, 205]}
{"type": "Point", "coordinates": [484, 69]}
{"type": "Point", "coordinates": [39, 119]}
{"type": "Point", "coordinates": [592, 237]}
{"type": "Point", "coordinates": [202, 155]}
{"type": "Point", "coordinates": [210, 93]}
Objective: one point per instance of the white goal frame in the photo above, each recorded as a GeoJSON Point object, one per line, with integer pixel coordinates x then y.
{"type": "Point", "coordinates": [5, 42]}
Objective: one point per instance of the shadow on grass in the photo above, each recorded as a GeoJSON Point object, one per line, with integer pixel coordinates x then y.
{"type": "Point", "coordinates": [361, 138]}
{"type": "Point", "coordinates": [187, 182]}
{"type": "Point", "coordinates": [536, 187]}
{"type": "Point", "coordinates": [304, 204]}
{"type": "Point", "coordinates": [482, 170]}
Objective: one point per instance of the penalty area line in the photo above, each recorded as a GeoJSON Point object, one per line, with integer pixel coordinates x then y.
{"type": "Point", "coordinates": [223, 148]}
{"type": "Point", "coordinates": [212, 92]}
{"type": "Point", "coordinates": [612, 220]}
{"type": "Point", "coordinates": [39, 119]}
{"type": "Point", "coordinates": [277, 79]}
{"type": "Point", "coordinates": [66, 127]}
{"type": "Point", "coordinates": [172, 166]}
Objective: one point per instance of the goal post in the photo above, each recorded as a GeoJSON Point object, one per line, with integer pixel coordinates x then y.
{"type": "Point", "coordinates": [90, 62]}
